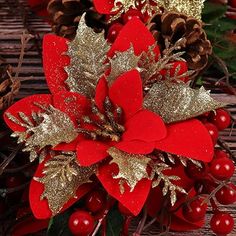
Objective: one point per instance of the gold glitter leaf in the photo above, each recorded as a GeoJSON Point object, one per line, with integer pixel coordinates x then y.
{"type": "Point", "coordinates": [132, 167]}
{"type": "Point", "coordinates": [177, 101]}
{"type": "Point", "coordinates": [123, 62]}
{"type": "Point", "coordinates": [188, 7]}
{"type": "Point", "coordinates": [62, 177]}
{"type": "Point", "coordinates": [87, 54]}
{"type": "Point", "coordinates": [53, 127]}
{"type": "Point", "coordinates": [158, 176]}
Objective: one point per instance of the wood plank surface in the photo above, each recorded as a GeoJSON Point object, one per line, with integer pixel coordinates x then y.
{"type": "Point", "coordinates": [33, 81]}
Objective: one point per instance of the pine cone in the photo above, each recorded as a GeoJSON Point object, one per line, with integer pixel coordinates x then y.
{"type": "Point", "coordinates": [65, 16]}
{"type": "Point", "coordinates": [9, 87]}
{"type": "Point", "coordinates": [174, 26]}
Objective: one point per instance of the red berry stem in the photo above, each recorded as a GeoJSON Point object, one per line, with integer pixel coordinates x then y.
{"type": "Point", "coordinates": [214, 205]}
{"type": "Point", "coordinates": [125, 230]}
{"type": "Point", "coordinates": [142, 222]}
{"type": "Point", "coordinates": [224, 145]}
{"type": "Point", "coordinates": [110, 203]}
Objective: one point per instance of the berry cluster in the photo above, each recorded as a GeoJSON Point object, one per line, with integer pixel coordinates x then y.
{"type": "Point", "coordinates": [212, 183]}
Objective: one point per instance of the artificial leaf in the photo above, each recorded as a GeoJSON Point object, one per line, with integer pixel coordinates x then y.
{"type": "Point", "coordinates": [114, 222]}
{"type": "Point", "coordinates": [158, 176]}
{"type": "Point", "coordinates": [177, 101]}
{"type": "Point", "coordinates": [47, 129]}
{"type": "Point", "coordinates": [62, 177]}
{"type": "Point", "coordinates": [187, 7]}
{"type": "Point", "coordinates": [123, 62]}
{"type": "Point", "coordinates": [132, 167]}
{"type": "Point", "coordinates": [87, 54]}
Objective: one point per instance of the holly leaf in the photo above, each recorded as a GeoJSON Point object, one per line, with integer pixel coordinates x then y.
{"type": "Point", "coordinates": [87, 54]}
{"type": "Point", "coordinates": [132, 167]}
{"type": "Point", "coordinates": [177, 101]}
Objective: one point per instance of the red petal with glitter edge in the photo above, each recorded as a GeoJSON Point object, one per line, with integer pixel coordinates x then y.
{"type": "Point", "coordinates": [127, 93]}
{"type": "Point", "coordinates": [146, 126]}
{"type": "Point", "coordinates": [101, 93]}
{"type": "Point", "coordinates": [133, 201]}
{"type": "Point", "coordinates": [189, 139]}
{"type": "Point", "coordinates": [135, 34]}
{"type": "Point", "coordinates": [90, 152]}
{"type": "Point", "coordinates": [54, 62]}
{"type": "Point", "coordinates": [103, 6]}
{"type": "Point", "coordinates": [39, 207]}
{"type": "Point", "coordinates": [136, 147]}
{"type": "Point", "coordinates": [27, 106]}
{"type": "Point", "coordinates": [73, 104]}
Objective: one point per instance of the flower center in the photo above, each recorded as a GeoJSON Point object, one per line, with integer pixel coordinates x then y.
{"type": "Point", "coordinates": [105, 125]}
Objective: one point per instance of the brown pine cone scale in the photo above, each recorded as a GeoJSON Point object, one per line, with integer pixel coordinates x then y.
{"type": "Point", "coordinates": [174, 26]}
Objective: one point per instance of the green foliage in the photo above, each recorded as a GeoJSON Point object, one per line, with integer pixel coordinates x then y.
{"type": "Point", "coordinates": [114, 222]}
{"type": "Point", "coordinates": [58, 225]}
{"type": "Point", "coordinates": [217, 26]}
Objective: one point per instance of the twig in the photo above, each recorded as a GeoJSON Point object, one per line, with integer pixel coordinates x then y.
{"type": "Point", "coordinates": [225, 146]}
{"type": "Point", "coordinates": [141, 223]}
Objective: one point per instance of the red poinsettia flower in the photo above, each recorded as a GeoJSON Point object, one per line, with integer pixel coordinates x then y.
{"type": "Point", "coordinates": [143, 130]}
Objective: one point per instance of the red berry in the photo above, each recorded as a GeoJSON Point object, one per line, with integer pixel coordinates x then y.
{"type": "Point", "coordinates": [113, 32]}
{"type": "Point", "coordinates": [221, 119]}
{"type": "Point", "coordinates": [130, 14]}
{"type": "Point", "coordinates": [81, 223]}
{"type": "Point", "coordinates": [220, 154]}
{"type": "Point", "coordinates": [222, 223]}
{"type": "Point", "coordinates": [95, 201]}
{"type": "Point", "coordinates": [227, 194]}
{"type": "Point", "coordinates": [222, 169]}
{"type": "Point", "coordinates": [213, 131]}
{"type": "Point", "coordinates": [195, 172]}
{"type": "Point", "coordinates": [195, 211]}
{"type": "Point", "coordinates": [123, 210]}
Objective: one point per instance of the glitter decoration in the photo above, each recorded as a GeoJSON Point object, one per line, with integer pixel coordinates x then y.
{"type": "Point", "coordinates": [132, 167]}
{"type": "Point", "coordinates": [123, 62]}
{"type": "Point", "coordinates": [50, 129]}
{"type": "Point", "coordinates": [62, 177]}
{"type": "Point", "coordinates": [87, 54]}
{"type": "Point", "coordinates": [188, 7]}
{"type": "Point", "coordinates": [177, 101]}
{"type": "Point", "coordinates": [157, 170]}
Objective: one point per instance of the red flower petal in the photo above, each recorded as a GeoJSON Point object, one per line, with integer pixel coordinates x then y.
{"type": "Point", "coordinates": [73, 104]}
{"type": "Point", "coordinates": [133, 201]}
{"type": "Point", "coordinates": [101, 93]}
{"type": "Point", "coordinates": [90, 152]}
{"type": "Point", "coordinates": [54, 62]}
{"type": "Point", "coordinates": [136, 147]}
{"type": "Point", "coordinates": [103, 6]}
{"type": "Point", "coordinates": [135, 34]}
{"type": "Point", "coordinates": [127, 92]}
{"type": "Point", "coordinates": [189, 139]}
{"type": "Point", "coordinates": [146, 126]}
{"type": "Point", "coordinates": [27, 106]}
{"type": "Point", "coordinates": [39, 207]}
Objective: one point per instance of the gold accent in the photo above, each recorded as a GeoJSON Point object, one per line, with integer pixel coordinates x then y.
{"type": "Point", "coordinates": [132, 168]}
{"type": "Point", "coordinates": [123, 62]}
{"type": "Point", "coordinates": [188, 7]}
{"type": "Point", "coordinates": [158, 176]}
{"type": "Point", "coordinates": [88, 53]}
{"type": "Point", "coordinates": [49, 129]}
{"type": "Point", "coordinates": [62, 177]}
{"type": "Point", "coordinates": [177, 101]}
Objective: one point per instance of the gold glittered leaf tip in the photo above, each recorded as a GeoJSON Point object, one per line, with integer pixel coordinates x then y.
{"type": "Point", "coordinates": [188, 7]}
{"type": "Point", "coordinates": [132, 168]}
{"type": "Point", "coordinates": [87, 52]}
{"type": "Point", "coordinates": [62, 177]}
{"type": "Point", "coordinates": [177, 101]}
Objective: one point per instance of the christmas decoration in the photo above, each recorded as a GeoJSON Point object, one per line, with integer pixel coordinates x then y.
{"type": "Point", "coordinates": [124, 132]}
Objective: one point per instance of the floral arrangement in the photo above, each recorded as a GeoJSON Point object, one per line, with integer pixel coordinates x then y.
{"type": "Point", "coordinates": [123, 118]}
